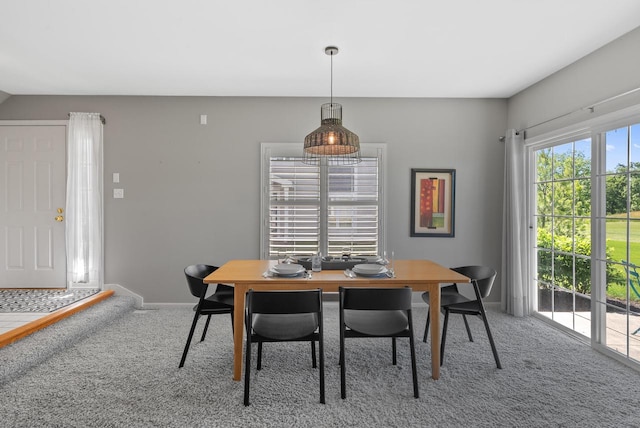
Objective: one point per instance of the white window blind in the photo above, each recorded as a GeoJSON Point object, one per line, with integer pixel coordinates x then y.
{"type": "Point", "coordinates": [294, 207]}
{"type": "Point", "coordinates": [326, 209]}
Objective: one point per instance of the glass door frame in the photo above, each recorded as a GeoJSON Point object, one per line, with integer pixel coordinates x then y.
{"type": "Point", "coordinates": [594, 129]}
{"type": "Point", "coordinates": [531, 172]}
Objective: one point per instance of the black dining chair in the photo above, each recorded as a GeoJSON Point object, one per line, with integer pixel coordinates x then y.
{"type": "Point", "coordinates": [284, 316]}
{"type": "Point", "coordinates": [449, 295]}
{"type": "Point", "coordinates": [453, 302]}
{"type": "Point", "coordinates": [376, 312]}
{"type": "Point", "coordinates": [220, 302]}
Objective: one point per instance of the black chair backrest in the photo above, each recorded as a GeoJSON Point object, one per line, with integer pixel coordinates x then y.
{"type": "Point", "coordinates": [381, 299]}
{"type": "Point", "coordinates": [284, 302]}
{"type": "Point", "coordinates": [195, 274]}
{"type": "Point", "coordinates": [483, 275]}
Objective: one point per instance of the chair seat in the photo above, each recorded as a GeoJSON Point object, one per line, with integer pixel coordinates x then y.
{"type": "Point", "coordinates": [376, 323]}
{"type": "Point", "coordinates": [285, 326]}
{"type": "Point", "coordinates": [448, 296]}
{"type": "Point", "coordinates": [469, 307]}
{"type": "Point", "coordinates": [211, 305]}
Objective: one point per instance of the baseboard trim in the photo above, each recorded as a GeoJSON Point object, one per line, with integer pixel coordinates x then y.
{"type": "Point", "coordinates": [327, 297]}
{"type": "Point", "coordinates": [169, 305]}
{"type": "Point", "coordinates": [121, 291]}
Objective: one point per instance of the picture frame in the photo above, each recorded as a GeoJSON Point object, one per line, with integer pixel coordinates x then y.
{"type": "Point", "coordinates": [433, 202]}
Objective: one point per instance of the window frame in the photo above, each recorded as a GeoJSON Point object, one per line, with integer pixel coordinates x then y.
{"type": "Point", "coordinates": [553, 215]}
{"type": "Point", "coordinates": [276, 149]}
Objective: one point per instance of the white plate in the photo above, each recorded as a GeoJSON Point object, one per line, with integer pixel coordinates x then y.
{"type": "Point", "coordinates": [288, 269]}
{"type": "Point", "coordinates": [381, 274]}
{"type": "Point", "coordinates": [369, 269]}
{"type": "Point", "coordinates": [286, 275]}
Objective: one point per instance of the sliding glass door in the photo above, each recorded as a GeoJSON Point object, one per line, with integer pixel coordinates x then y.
{"type": "Point", "coordinates": [619, 220]}
{"type": "Point", "coordinates": [563, 233]}
{"type": "Point", "coordinates": [587, 236]}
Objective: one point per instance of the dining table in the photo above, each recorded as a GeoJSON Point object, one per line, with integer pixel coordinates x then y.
{"type": "Point", "coordinates": [420, 275]}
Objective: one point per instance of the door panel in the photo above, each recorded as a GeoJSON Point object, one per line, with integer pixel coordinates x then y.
{"type": "Point", "coordinates": [32, 241]}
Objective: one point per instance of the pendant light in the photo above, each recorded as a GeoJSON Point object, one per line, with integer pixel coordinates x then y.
{"type": "Point", "coordinates": [331, 140]}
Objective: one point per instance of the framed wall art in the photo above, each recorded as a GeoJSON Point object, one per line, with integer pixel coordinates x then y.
{"type": "Point", "coordinates": [433, 202]}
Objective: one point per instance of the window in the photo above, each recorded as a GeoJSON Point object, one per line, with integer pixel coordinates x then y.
{"type": "Point", "coordinates": [329, 209]}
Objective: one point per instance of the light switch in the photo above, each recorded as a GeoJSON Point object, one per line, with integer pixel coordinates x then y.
{"type": "Point", "coordinates": [118, 193]}
{"type": "Point", "coordinates": [116, 177]}
{"type": "Point", "coordinates": [203, 119]}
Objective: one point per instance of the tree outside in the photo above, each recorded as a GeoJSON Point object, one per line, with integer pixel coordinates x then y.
{"type": "Point", "coordinates": [563, 211]}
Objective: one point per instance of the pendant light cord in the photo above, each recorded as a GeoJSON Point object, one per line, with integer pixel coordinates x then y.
{"type": "Point", "coordinates": [331, 79]}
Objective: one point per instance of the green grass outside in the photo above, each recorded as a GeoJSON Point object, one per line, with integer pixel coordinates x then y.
{"type": "Point", "coordinates": [616, 242]}
{"type": "Point", "coordinates": [617, 229]}
{"type": "Point", "coordinates": [619, 251]}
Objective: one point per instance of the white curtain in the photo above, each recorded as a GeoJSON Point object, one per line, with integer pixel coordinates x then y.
{"type": "Point", "coordinates": [84, 201]}
{"type": "Point", "coordinates": [516, 299]}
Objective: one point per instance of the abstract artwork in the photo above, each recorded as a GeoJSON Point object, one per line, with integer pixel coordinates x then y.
{"type": "Point", "coordinates": [432, 202]}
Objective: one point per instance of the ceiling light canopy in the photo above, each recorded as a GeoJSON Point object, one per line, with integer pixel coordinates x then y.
{"type": "Point", "coordinates": [331, 141]}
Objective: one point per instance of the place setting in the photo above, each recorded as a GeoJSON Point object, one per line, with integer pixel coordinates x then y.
{"type": "Point", "coordinates": [287, 270]}
{"type": "Point", "coordinates": [381, 268]}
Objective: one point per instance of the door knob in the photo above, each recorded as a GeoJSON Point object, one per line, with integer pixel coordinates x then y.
{"type": "Point", "coordinates": [59, 218]}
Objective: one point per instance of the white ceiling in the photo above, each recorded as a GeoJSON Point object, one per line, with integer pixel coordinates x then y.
{"type": "Point", "coordinates": [402, 48]}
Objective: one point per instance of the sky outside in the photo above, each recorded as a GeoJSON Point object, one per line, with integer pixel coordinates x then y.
{"type": "Point", "coordinates": [616, 146]}
{"type": "Point", "coordinates": [616, 143]}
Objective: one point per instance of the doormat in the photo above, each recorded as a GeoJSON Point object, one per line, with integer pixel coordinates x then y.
{"type": "Point", "coordinates": [30, 300]}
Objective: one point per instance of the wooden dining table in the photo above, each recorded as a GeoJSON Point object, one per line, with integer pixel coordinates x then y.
{"type": "Point", "coordinates": [420, 275]}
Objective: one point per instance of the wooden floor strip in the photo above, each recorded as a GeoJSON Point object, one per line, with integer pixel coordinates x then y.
{"type": "Point", "coordinates": [52, 318]}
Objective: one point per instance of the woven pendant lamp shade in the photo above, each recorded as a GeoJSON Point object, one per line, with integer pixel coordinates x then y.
{"type": "Point", "coordinates": [332, 140]}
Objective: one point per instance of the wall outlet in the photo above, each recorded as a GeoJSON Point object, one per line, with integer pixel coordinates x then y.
{"type": "Point", "coordinates": [118, 193]}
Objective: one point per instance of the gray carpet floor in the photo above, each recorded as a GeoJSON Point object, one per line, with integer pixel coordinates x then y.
{"type": "Point", "coordinates": [125, 374]}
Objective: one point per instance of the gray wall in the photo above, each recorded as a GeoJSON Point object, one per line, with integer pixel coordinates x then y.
{"type": "Point", "coordinates": [611, 70]}
{"type": "Point", "coordinates": [192, 191]}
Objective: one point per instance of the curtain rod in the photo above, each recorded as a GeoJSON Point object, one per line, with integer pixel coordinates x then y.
{"type": "Point", "coordinates": [102, 119]}
{"type": "Point", "coordinates": [590, 107]}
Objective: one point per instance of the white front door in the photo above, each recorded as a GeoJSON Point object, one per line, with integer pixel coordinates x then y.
{"type": "Point", "coordinates": [32, 201]}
